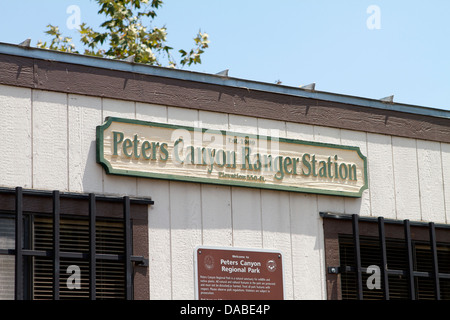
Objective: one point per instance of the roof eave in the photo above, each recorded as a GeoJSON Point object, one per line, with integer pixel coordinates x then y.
{"type": "Point", "coordinates": [97, 62]}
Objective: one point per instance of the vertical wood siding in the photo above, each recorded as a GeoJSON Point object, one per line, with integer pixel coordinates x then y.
{"type": "Point", "coordinates": [48, 142]}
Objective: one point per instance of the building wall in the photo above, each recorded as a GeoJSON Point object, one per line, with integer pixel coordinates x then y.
{"type": "Point", "coordinates": [48, 142]}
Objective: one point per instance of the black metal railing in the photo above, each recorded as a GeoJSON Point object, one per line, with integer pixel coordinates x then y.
{"type": "Point", "coordinates": [408, 272]}
{"type": "Point", "coordinates": [56, 254]}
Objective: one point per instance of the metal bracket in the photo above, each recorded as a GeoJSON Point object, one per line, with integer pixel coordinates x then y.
{"type": "Point", "coordinates": [140, 261]}
{"type": "Point", "coordinates": [334, 270]}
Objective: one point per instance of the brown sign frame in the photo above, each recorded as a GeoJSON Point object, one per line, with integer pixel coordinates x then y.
{"type": "Point", "coordinates": [228, 273]}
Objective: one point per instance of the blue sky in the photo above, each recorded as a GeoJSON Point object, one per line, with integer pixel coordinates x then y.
{"type": "Point", "coordinates": [402, 48]}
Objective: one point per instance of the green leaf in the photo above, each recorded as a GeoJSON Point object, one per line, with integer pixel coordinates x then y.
{"type": "Point", "coordinates": [124, 32]}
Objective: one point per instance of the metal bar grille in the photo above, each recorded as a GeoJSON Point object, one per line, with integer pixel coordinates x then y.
{"type": "Point", "coordinates": [92, 247]}
{"type": "Point", "coordinates": [408, 271]}
{"type": "Point", "coordinates": [55, 254]}
{"type": "Point", "coordinates": [359, 289]}
{"type": "Point", "coordinates": [437, 289]}
{"type": "Point", "coordinates": [18, 283]}
{"type": "Point", "coordinates": [384, 273]}
{"type": "Point", "coordinates": [128, 248]}
{"type": "Point", "coordinates": [56, 246]}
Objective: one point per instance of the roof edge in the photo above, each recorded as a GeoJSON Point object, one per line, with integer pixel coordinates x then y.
{"type": "Point", "coordinates": [97, 62]}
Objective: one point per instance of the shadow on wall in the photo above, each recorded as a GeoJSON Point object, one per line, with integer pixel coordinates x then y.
{"type": "Point", "coordinates": [95, 178]}
{"type": "Point", "coordinates": [236, 216]}
{"type": "Point", "coordinates": [92, 178]}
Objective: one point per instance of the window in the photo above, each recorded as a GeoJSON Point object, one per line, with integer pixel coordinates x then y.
{"type": "Point", "coordinates": [6, 261]}
{"type": "Point", "coordinates": [110, 280]}
{"type": "Point", "coordinates": [416, 256]}
{"type": "Point", "coordinates": [72, 246]}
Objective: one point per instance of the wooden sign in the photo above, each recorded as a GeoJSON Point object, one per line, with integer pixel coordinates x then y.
{"type": "Point", "coordinates": [162, 151]}
{"type": "Point", "coordinates": [238, 274]}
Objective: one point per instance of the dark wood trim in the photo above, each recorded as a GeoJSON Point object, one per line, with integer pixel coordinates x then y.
{"type": "Point", "coordinates": [334, 227]}
{"type": "Point", "coordinates": [106, 209]}
{"type": "Point", "coordinates": [140, 248]}
{"type": "Point", "coordinates": [16, 71]}
{"type": "Point", "coordinates": [106, 83]}
{"type": "Point", "coordinates": [331, 229]}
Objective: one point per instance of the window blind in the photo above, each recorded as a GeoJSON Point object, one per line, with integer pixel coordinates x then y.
{"type": "Point", "coordinates": [74, 237]}
{"type": "Point", "coordinates": [397, 260]}
{"type": "Point", "coordinates": [6, 262]}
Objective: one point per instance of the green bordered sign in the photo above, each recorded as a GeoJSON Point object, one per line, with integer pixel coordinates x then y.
{"type": "Point", "coordinates": [162, 151]}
